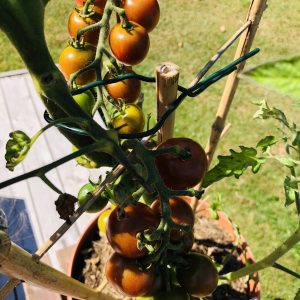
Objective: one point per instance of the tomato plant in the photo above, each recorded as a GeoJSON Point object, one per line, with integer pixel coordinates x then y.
{"type": "Point", "coordinates": [86, 101]}
{"type": "Point", "coordinates": [103, 219]}
{"type": "Point", "coordinates": [74, 58]}
{"type": "Point", "coordinates": [97, 6]}
{"type": "Point", "coordinates": [128, 278]}
{"type": "Point", "coordinates": [84, 161]}
{"type": "Point", "coordinates": [127, 90]}
{"type": "Point", "coordinates": [144, 12]}
{"type": "Point", "coordinates": [199, 277]}
{"type": "Point", "coordinates": [182, 173]}
{"type": "Point", "coordinates": [121, 231]}
{"type": "Point", "coordinates": [181, 213]}
{"type": "Point", "coordinates": [77, 22]}
{"type": "Point", "coordinates": [129, 46]}
{"type": "Point", "coordinates": [85, 193]}
{"type": "Point", "coordinates": [175, 293]}
{"type": "Point", "coordinates": [130, 120]}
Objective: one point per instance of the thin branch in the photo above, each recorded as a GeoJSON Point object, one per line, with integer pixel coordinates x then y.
{"type": "Point", "coordinates": [286, 270]}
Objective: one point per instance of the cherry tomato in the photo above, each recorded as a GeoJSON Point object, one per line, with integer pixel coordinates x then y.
{"type": "Point", "coordinates": [76, 22]}
{"type": "Point", "coordinates": [86, 101]}
{"type": "Point", "coordinates": [181, 213]}
{"type": "Point", "coordinates": [176, 293]}
{"type": "Point", "coordinates": [121, 232]}
{"type": "Point", "coordinates": [127, 90]}
{"type": "Point", "coordinates": [131, 120]}
{"type": "Point", "coordinates": [178, 173]}
{"type": "Point", "coordinates": [102, 220]}
{"type": "Point", "coordinates": [143, 12]}
{"type": "Point", "coordinates": [72, 59]}
{"type": "Point", "coordinates": [84, 161]}
{"type": "Point", "coordinates": [199, 277]}
{"type": "Point", "coordinates": [129, 46]}
{"type": "Point", "coordinates": [97, 6]}
{"type": "Point", "coordinates": [125, 276]}
{"type": "Point", "coordinates": [85, 193]}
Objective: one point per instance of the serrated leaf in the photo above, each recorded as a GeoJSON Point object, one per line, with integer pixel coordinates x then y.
{"type": "Point", "coordinates": [281, 76]}
{"type": "Point", "coordinates": [234, 165]}
{"type": "Point", "coordinates": [265, 112]}
{"type": "Point", "coordinates": [290, 187]}
{"type": "Point", "coordinates": [266, 143]}
{"type": "Point", "coordinates": [286, 160]}
{"type": "Point", "coordinates": [17, 148]}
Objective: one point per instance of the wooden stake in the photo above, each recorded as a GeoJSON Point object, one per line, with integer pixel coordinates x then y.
{"type": "Point", "coordinates": [167, 75]}
{"type": "Point", "coordinates": [255, 13]}
{"type": "Point", "coordinates": [16, 262]}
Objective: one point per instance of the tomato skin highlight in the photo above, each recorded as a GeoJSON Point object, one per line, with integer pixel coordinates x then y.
{"type": "Point", "coordinates": [200, 277]}
{"type": "Point", "coordinates": [128, 89]}
{"type": "Point", "coordinates": [125, 276]}
{"type": "Point", "coordinates": [72, 59]}
{"type": "Point", "coordinates": [144, 12]}
{"type": "Point", "coordinates": [103, 219]}
{"type": "Point", "coordinates": [129, 47]}
{"type": "Point", "coordinates": [181, 174]}
{"type": "Point", "coordinates": [76, 22]}
{"type": "Point", "coordinates": [121, 233]}
{"type": "Point", "coordinates": [131, 121]}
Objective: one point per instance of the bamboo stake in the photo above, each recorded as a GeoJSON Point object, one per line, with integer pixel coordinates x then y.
{"type": "Point", "coordinates": [167, 75]}
{"type": "Point", "coordinates": [17, 263]}
{"type": "Point", "coordinates": [255, 13]}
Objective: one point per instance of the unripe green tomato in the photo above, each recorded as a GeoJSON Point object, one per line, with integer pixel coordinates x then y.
{"type": "Point", "coordinates": [86, 101]}
{"type": "Point", "coordinates": [85, 193]}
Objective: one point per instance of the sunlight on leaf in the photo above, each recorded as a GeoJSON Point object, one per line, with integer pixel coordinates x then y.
{"type": "Point", "coordinates": [266, 143]}
{"type": "Point", "coordinates": [282, 76]}
{"type": "Point", "coordinates": [17, 148]}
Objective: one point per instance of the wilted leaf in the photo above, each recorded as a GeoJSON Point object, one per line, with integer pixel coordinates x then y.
{"type": "Point", "coordinates": [266, 143]}
{"type": "Point", "coordinates": [282, 76]}
{"type": "Point", "coordinates": [17, 148]}
{"type": "Point", "coordinates": [234, 165]}
{"type": "Point", "coordinates": [290, 187]}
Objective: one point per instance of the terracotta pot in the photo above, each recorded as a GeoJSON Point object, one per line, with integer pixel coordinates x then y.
{"type": "Point", "coordinates": [203, 209]}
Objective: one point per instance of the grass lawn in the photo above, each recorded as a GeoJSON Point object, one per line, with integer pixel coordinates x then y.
{"type": "Point", "coordinates": [188, 35]}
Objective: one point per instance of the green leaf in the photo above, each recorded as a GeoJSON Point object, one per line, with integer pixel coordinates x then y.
{"type": "Point", "coordinates": [296, 139]}
{"type": "Point", "coordinates": [266, 143]}
{"type": "Point", "coordinates": [234, 165]}
{"type": "Point", "coordinates": [297, 297]}
{"type": "Point", "coordinates": [17, 148]}
{"type": "Point", "coordinates": [286, 160]}
{"type": "Point", "coordinates": [281, 76]}
{"type": "Point", "coordinates": [265, 112]}
{"type": "Point", "coordinates": [290, 188]}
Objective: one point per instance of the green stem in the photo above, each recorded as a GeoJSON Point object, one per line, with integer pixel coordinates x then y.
{"type": "Point", "coordinates": [85, 9]}
{"type": "Point", "coordinates": [286, 270]}
{"type": "Point", "coordinates": [50, 184]}
{"type": "Point", "coordinates": [267, 261]}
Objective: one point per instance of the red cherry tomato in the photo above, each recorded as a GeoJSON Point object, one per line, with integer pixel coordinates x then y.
{"type": "Point", "coordinates": [127, 90]}
{"type": "Point", "coordinates": [178, 173]}
{"type": "Point", "coordinates": [76, 22]}
{"type": "Point", "coordinates": [125, 276]}
{"type": "Point", "coordinates": [121, 232]}
{"type": "Point", "coordinates": [97, 6]}
{"type": "Point", "coordinates": [199, 277]}
{"type": "Point", "coordinates": [143, 12]}
{"type": "Point", "coordinates": [72, 59]}
{"type": "Point", "coordinates": [129, 46]}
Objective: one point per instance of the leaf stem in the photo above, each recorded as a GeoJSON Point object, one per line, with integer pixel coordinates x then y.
{"type": "Point", "coordinates": [267, 261]}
